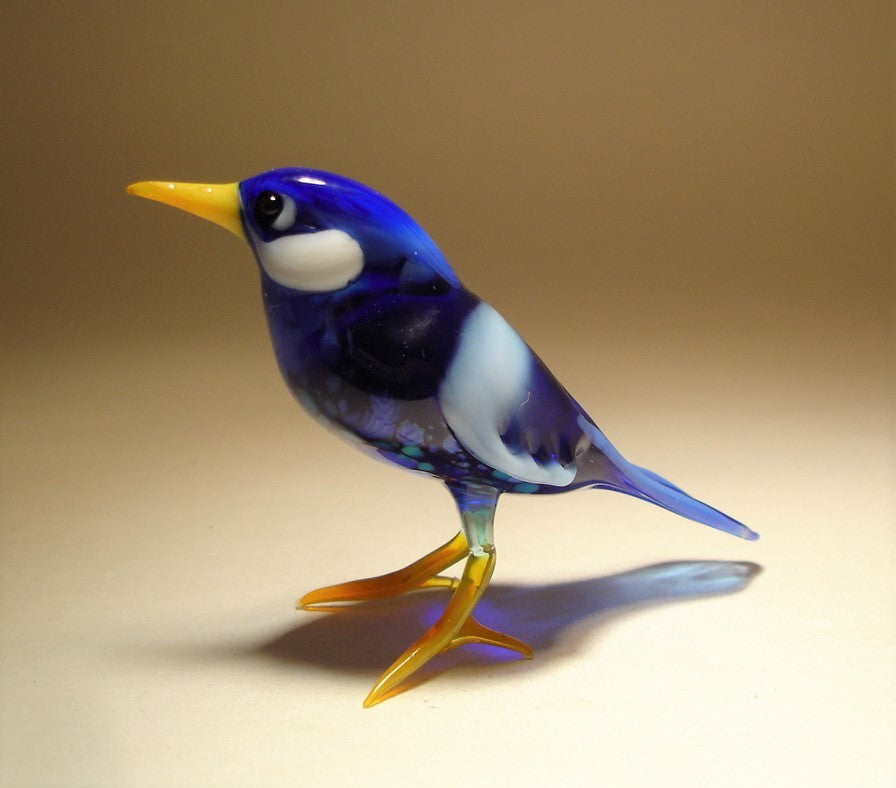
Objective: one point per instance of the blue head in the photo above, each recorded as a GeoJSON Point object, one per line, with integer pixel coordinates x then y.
{"type": "Point", "coordinates": [314, 232]}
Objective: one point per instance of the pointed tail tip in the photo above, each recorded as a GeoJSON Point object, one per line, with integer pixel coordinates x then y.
{"type": "Point", "coordinates": [654, 488]}
{"type": "Point", "coordinates": [722, 522]}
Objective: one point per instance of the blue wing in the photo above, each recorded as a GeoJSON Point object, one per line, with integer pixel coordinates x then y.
{"type": "Point", "coordinates": [506, 409]}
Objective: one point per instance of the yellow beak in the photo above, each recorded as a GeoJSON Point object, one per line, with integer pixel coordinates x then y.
{"type": "Point", "coordinates": [217, 202]}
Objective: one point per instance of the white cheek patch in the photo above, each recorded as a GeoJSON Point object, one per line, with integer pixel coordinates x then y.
{"type": "Point", "coordinates": [486, 383]}
{"type": "Point", "coordinates": [314, 262]}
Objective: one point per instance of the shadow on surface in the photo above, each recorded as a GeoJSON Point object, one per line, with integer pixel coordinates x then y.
{"type": "Point", "coordinates": [367, 637]}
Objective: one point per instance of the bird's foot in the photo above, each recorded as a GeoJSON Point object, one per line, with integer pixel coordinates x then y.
{"type": "Point", "coordinates": [472, 631]}
{"type": "Point", "coordinates": [455, 627]}
{"type": "Point", "coordinates": [423, 573]}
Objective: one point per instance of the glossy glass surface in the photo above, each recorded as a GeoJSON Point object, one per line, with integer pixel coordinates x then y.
{"type": "Point", "coordinates": [379, 341]}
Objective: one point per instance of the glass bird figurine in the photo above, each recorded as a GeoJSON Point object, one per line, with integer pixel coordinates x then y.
{"type": "Point", "coordinates": [379, 341]}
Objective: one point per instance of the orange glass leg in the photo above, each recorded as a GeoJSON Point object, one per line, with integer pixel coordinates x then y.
{"type": "Point", "coordinates": [472, 631]}
{"type": "Point", "coordinates": [454, 628]}
{"type": "Point", "coordinates": [423, 573]}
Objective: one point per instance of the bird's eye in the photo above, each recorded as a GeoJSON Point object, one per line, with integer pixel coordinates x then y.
{"type": "Point", "coordinates": [274, 211]}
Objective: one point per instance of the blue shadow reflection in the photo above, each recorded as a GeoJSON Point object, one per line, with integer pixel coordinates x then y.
{"type": "Point", "coordinates": [367, 637]}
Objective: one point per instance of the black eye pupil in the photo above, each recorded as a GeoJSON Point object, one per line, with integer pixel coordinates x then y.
{"type": "Point", "coordinates": [267, 207]}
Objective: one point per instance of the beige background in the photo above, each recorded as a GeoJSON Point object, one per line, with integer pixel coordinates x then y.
{"type": "Point", "coordinates": [686, 208]}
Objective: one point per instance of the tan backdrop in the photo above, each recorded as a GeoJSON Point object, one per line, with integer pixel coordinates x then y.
{"type": "Point", "coordinates": [686, 208]}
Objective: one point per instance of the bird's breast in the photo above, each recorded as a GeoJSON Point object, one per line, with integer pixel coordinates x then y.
{"type": "Point", "coordinates": [371, 364]}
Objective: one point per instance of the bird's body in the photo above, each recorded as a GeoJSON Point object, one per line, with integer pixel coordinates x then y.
{"type": "Point", "coordinates": [384, 371]}
{"type": "Point", "coordinates": [377, 338]}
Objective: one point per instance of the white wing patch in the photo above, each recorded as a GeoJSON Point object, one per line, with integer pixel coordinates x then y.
{"type": "Point", "coordinates": [313, 262]}
{"type": "Point", "coordinates": [486, 382]}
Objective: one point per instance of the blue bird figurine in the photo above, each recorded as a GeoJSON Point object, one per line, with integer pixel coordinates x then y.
{"type": "Point", "coordinates": [377, 338]}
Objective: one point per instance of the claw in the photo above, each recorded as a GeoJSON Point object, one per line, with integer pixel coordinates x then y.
{"type": "Point", "coordinates": [472, 631]}
{"type": "Point", "coordinates": [454, 628]}
{"type": "Point", "coordinates": [441, 581]}
{"type": "Point", "coordinates": [420, 574]}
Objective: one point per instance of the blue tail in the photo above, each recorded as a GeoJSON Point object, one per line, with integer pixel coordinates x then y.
{"type": "Point", "coordinates": [651, 487]}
